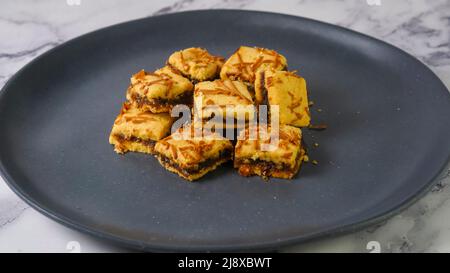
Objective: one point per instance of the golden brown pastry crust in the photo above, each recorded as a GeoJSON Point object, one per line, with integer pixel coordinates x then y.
{"type": "Point", "coordinates": [191, 176]}
{"type": "Point", "coordinates": [137, 131]}
{"type": "Point", "coordinates": [288, 91]}
{"type": "Point", "coordinates": [196, 64]}
{"type": "Point", "coordinates": [191, 156]}
{"type": "Point", "coordinates": [247, 61]}
{"type": "Point", "coordinates": [215, 98]}
{"type": "Point", "coordinates": [159, 91]}
{"type": "Point", "coordinates": [283, 161]}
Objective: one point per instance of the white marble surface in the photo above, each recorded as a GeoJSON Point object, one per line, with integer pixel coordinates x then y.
{"type": "Point", "coordinates": [421, 27]}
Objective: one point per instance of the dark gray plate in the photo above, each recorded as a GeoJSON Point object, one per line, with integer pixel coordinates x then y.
{"type": "Point", "coordinates": [388, 137]}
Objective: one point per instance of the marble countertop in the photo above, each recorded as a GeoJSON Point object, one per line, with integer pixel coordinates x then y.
{"type": "Point", "coordinates": [420, 27]}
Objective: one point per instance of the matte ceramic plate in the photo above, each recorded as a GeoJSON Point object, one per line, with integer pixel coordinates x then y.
{"type": "Point", "coordinates": [388, 137]}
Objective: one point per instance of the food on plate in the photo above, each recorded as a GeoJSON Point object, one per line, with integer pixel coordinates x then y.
{"type": "Point", "coordinates": [196, 63]}
{"type": "Point", "coordinates": [286, 90]}
{"type": "Point", "coordinates": [160, 91]}
{"type": "Point", "coordinates": [247, 61]}
{"type": "Point", "coordinates": [191, 156]}
{"type": "Point", "coordinates": [225, 99]}
{"type": "Point", "coordinates": [264, 155]}
{"type": "Point", "coordinates": [138, 131]}
{"type": "Point", "coordinates": [220, 99]}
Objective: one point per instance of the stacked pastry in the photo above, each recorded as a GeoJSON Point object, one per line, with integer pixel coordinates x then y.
{"type": "Point", "coordinates": [217, 92]}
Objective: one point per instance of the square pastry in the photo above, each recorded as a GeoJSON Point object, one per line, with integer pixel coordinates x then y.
{"type": "Point", "coordinates": [216, 100]}
{"type": "Point", "coordinates": [196, 64]}
{"type": "Point", "coordinates": [138, 131]}
{"type": "Point", "coordinates": [247, 61]}
{"type": "Point", "coordinates": [258, 154]}
{"type": "Point", "coordinates": [288, 91]}
{"type": "Point", "coordinates": [160, 91]}
{"type": "Point", "coordinates": [191, 156]}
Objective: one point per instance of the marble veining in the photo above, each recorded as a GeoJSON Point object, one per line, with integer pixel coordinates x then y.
{"type": "Point", "coordinates": [422, 28]}
{"type": "Point", "coordinates": [10, 210]}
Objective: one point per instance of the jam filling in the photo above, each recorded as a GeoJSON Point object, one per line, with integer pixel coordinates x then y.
{"type": "Point", "coordinates": [146, 142]}
{"type": "Point", "coordinates": [267, 167]}
{"type": "Point", "coordinates": [265, 100]}
{"type": "Point", "coordinates": [226, 154]}
{"type": "Point", "coordinates": [185, 98]}
{"type": "Point", "coordinates": [265, 164]}
{"type": "Point", "coordinates": [194, 81]}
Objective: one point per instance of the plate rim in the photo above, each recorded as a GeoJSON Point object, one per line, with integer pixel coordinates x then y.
{"type": "Point", "coordinates": [259, 246]}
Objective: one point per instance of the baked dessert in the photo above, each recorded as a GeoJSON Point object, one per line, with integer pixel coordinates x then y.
{"type": "Point", "coordinates": [191, 156]}
{"type": "Point", "coordinates": [159, 91]}
{"type": "Point", "coordinates": [288, 91]}
{"type": "Point", "coordinates": [220, 99]}
{"type": "Point", "coordinates": [223, 98]}
{"type": "Point", "coordinates": [247, 61]}
{"type": "Point", "coordinates": [257, 155]}
{"type": "Point", "coordinates": [137, 131]}
{"type": "Point", "coordinates": [196, 64]}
